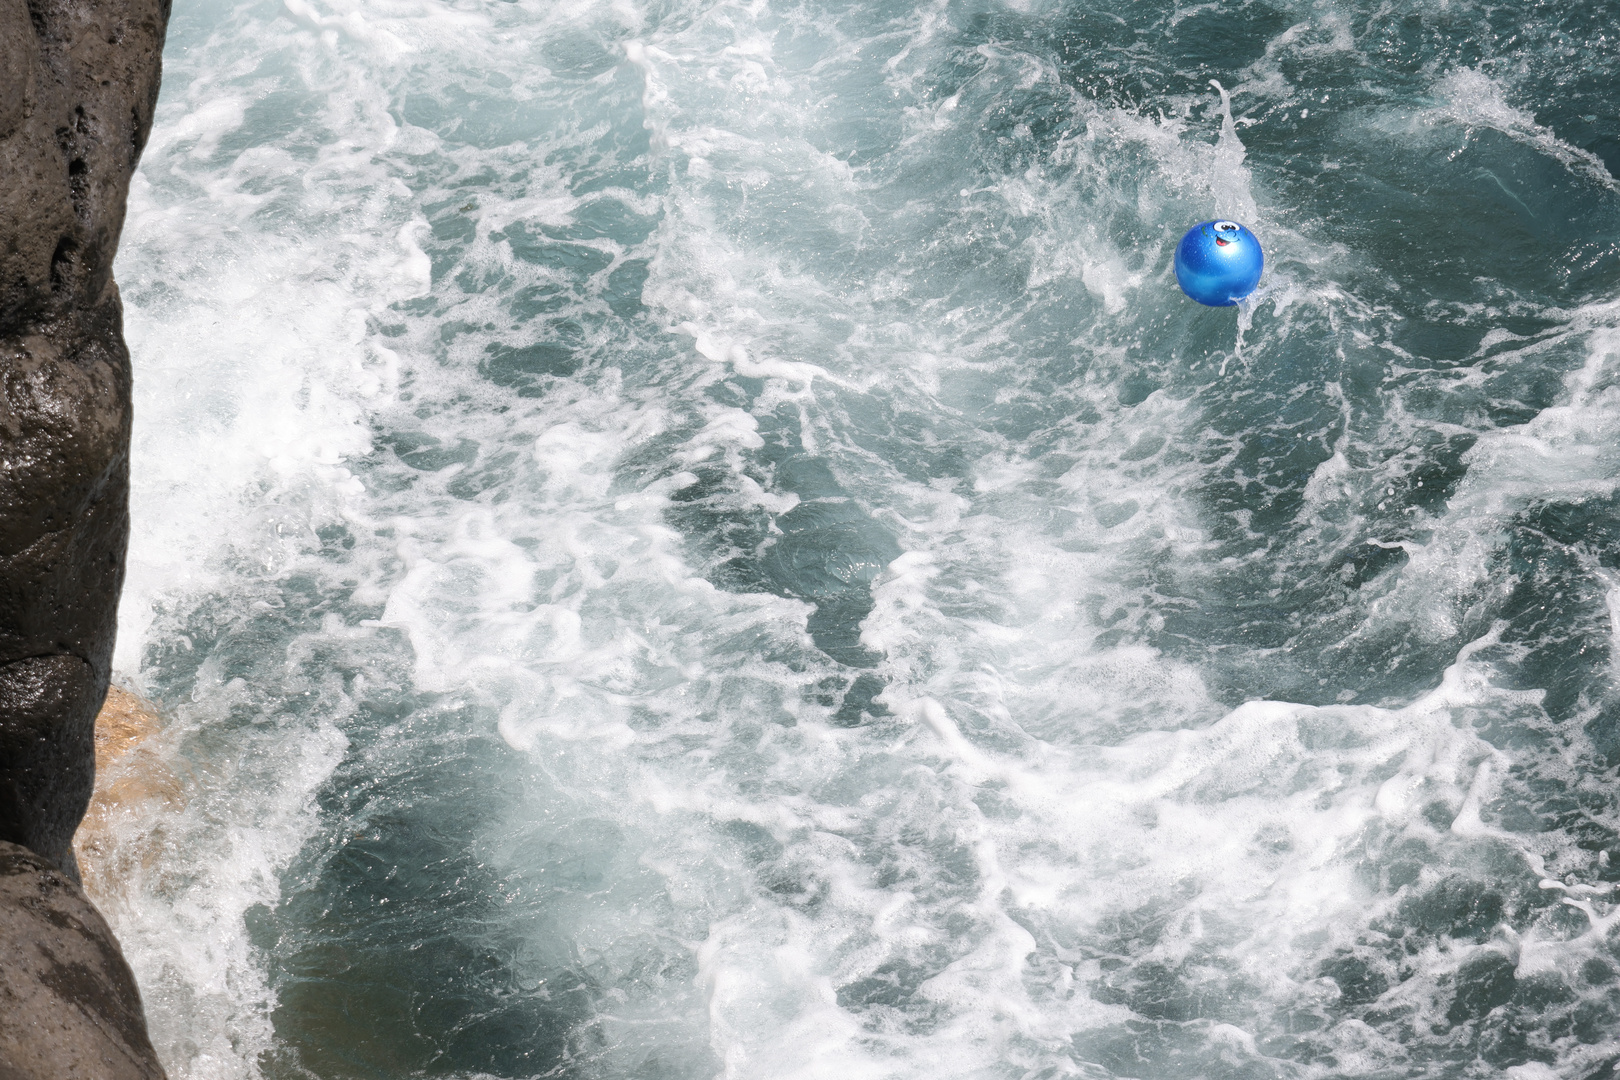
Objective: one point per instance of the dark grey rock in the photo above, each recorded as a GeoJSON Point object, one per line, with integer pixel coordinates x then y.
{"type": "Point", "coordinates": [78, 82]}
{"type": "Point", "coordinates": [69, 1009]}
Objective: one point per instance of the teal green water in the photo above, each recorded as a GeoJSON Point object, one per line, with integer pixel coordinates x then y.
{"type": "Point", "coordinates": [694, 539]}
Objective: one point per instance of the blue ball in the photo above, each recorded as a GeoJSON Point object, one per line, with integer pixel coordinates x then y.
{"type": "Point", "coordinates": [1218, 263]}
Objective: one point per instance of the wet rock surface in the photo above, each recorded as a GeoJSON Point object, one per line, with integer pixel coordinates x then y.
{"type": "Point", "coordinates": [68, 1003]}
{"type": "Point", "coordinates": [78, 84]}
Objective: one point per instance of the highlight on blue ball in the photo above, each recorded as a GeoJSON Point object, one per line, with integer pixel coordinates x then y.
{"type": "Point", "coordinates": [1218, 263]}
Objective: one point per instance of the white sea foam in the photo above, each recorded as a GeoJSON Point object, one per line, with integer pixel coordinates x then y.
{"type": "Point", "coordinates": [253, 377]}
{"type": "Point", "coordinates": [1475, 99]}
{"type": "Point", "coordinates": [371, 270]}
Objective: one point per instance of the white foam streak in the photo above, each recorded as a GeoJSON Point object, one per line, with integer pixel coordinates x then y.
{"type": "Point", "coordinates": [1567, 451]}
{"type": "Point", "coordinates": [253, 374]}
{"type": "Point", "coordinates": [1476, 100]}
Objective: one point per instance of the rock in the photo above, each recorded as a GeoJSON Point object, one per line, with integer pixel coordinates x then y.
{"type": "Point", "coordinates": [68, 1003]}
{"type": "Point", "coordinates": [78, 83]}
{"type": "Point", "coordinates": [122, 835]}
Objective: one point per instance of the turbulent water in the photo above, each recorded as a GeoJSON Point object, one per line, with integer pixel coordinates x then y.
{"type": "Point", "coordinates": [685, 539]}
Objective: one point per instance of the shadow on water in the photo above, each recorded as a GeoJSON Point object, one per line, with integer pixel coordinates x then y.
{"type": "Point", "coordinates": [422, 934]}
{"type": "Point", "coordinates": [404, 946]}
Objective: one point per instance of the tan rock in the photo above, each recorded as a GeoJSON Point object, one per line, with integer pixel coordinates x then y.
{"type": "Point", "coordinates": [122, 830]}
